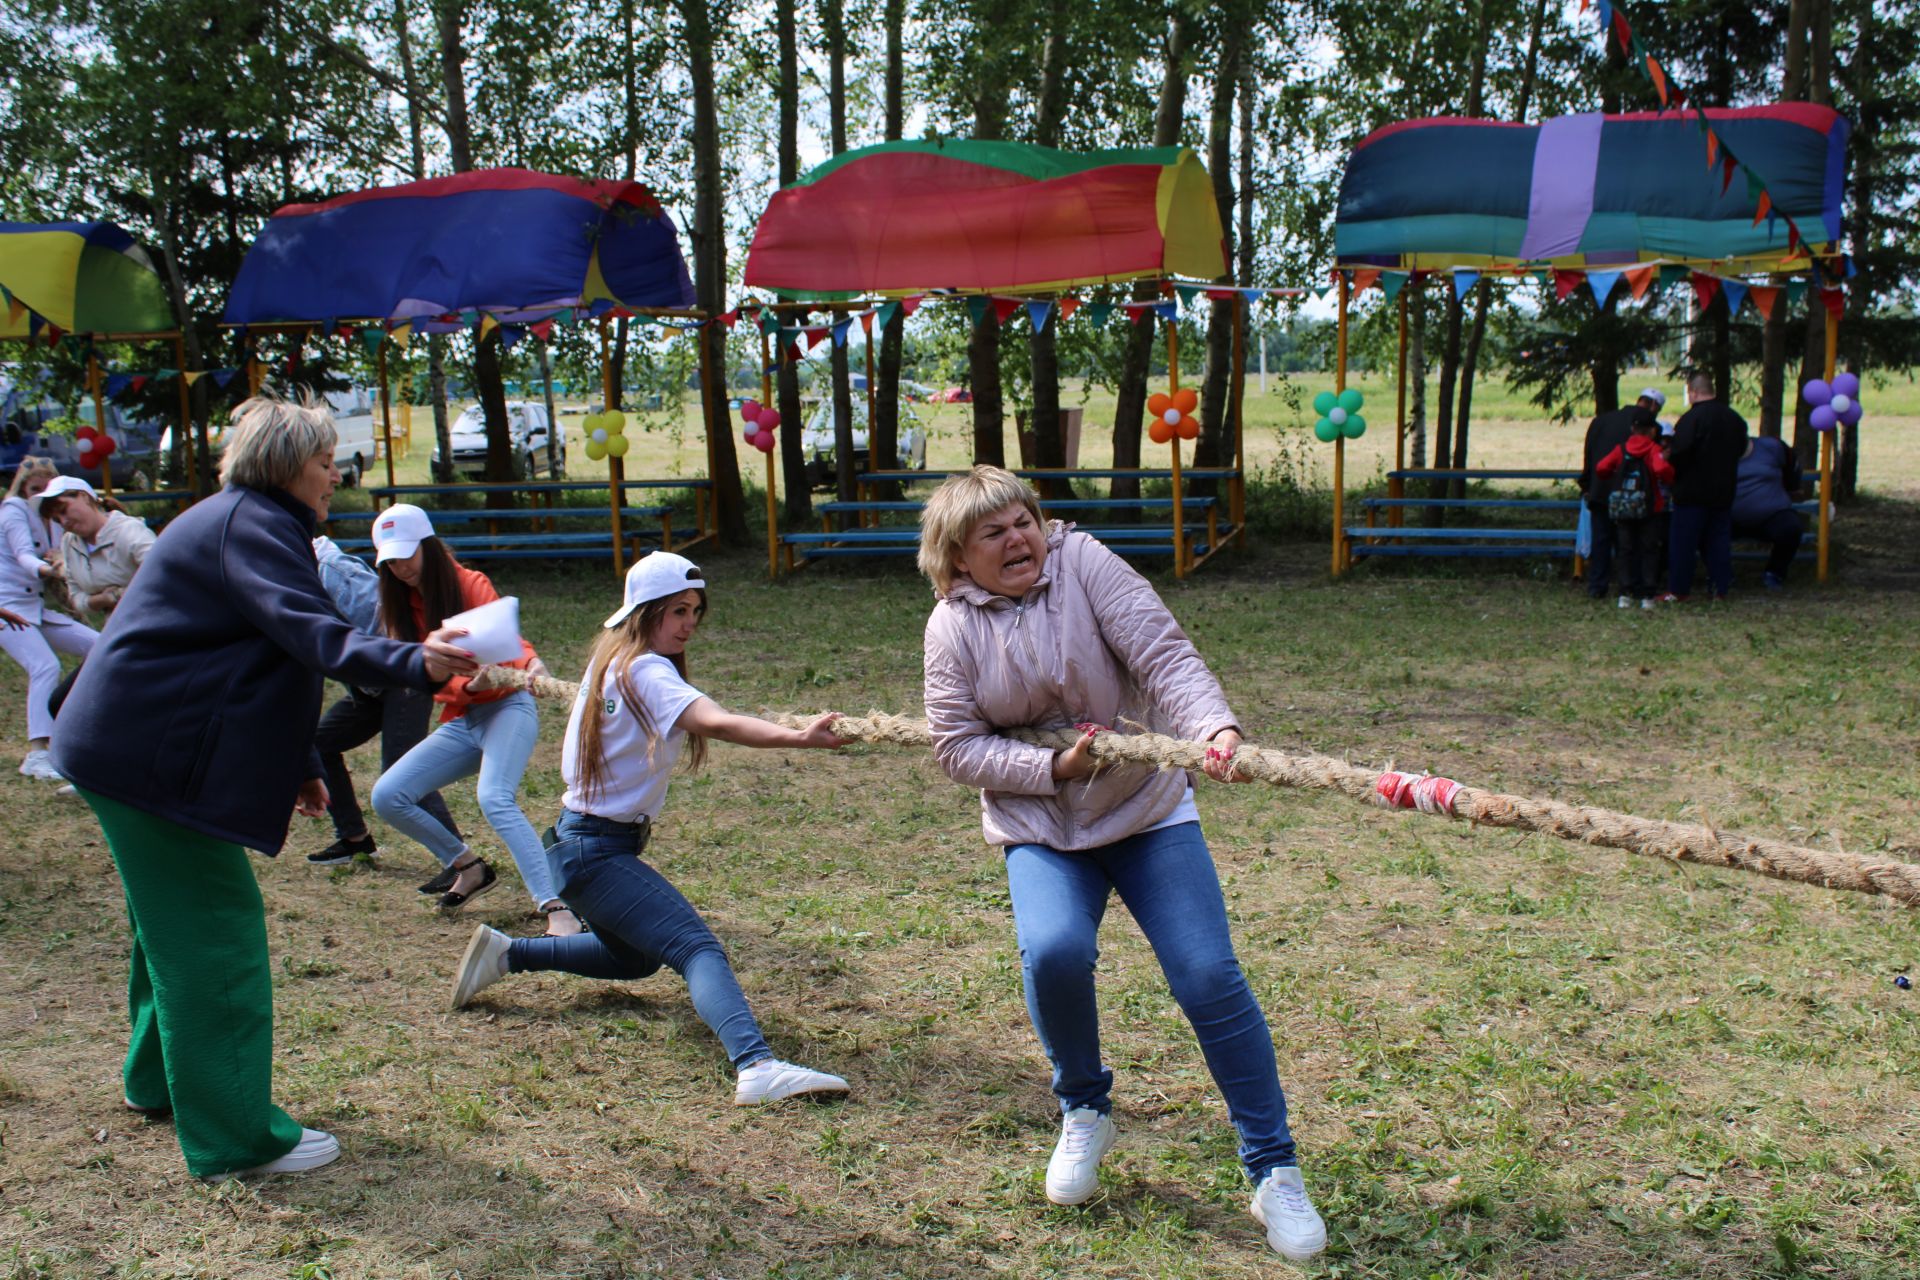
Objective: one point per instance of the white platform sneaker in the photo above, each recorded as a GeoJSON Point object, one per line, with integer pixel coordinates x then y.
{"type": "Point", "coordinates": [1294, 1227]}
{"type": "Point", "coordinates": [770, 1080]}
{"type": "Point", "coordinates": [1073, 1175]}
{"type": "Point", "coordinates": [314, 1150]}
{"type": "Point", "coordinates": [484, 964]}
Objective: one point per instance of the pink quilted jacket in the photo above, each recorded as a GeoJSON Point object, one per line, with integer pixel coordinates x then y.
{"type": "Point", "coordinates": [1091, 641]}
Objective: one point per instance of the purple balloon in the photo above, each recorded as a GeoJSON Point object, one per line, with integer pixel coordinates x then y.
{"type": "Point", "coordinates": [1847, 384]}
{"type": "Point", "coordinates": [1852, 416]}
{"type": "Point", "coordinates": [1816, 392]}
{"type": "Point", "coordinates": [1822, 418]}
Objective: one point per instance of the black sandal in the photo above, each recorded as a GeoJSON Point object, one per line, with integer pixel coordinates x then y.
{"type": "Point", "coordinates": [453, 899]}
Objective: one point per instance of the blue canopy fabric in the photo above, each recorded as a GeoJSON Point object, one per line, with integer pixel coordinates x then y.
{"type": "Point", "coordinates": [510, 242]}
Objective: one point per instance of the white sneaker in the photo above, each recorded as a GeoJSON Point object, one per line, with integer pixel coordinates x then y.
{"type": "Point", "coordinates": [312, 1151]}
{"type": "Point", "coordinates": [770, 1080]}
{"type": "Point", "coordinates": [484, 964]}
{"type": "Point", "coordinates": [1647, 603]}
{"type": "Point", "coordinates": [38, 764]}
{"type": "Point", "coordinates": [1625, 602]}
{"type": "Point", "coordinates": [1073, 1175]}
{"type": "Point", "coordinates": [67, 790]}
{"type": "Point", "coordinates": [1294, 1228]}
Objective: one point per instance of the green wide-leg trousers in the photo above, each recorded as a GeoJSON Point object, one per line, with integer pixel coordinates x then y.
{"type": "Point", "coordinates": [199, 990]}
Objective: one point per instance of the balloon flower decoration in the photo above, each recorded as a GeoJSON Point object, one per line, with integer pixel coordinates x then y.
{"type": "Point", "coordinates": [1339, 415]}
{"type": "Point", "coordinates": [1833, 405]}
{"type": "Point", "coordinates": [94, 447]}
{"type": "Point", "coordinates": [760, 420]}
{"type": "Point", "coordinates": [606, 434]}
{"type": "Point", "coordinates": [1172, 414]}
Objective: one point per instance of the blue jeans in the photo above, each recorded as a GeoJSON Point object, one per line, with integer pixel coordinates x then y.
{"type": "Point", "coordinates": [495, 740]}
{"type": "Point", "coordinates": [640, 922]}
{"type": "Point", "coordinates": [1167, 880]}
{"type": "Point", "coordinates": [1698, 531]}
{"type": "Point", "coordinates": [1600, 561]}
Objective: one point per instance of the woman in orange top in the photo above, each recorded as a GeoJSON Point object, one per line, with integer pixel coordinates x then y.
{"type": "Point", "coordinates": [491, 734]}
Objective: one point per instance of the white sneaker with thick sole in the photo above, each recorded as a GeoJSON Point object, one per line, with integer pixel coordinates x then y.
{"type": "Point", "coordinates": [1626, 602]}
{"type": "Point", "coordinates": [1073, 1174]}
{"type": "Point", "coordinates": [770, 1080]}
{"type": "Point", "coordinates": [484, 964]}
{"type": "Point", "coordinates": [314, 1150]}
{"type": "Point", "coordinates": [1294, 1227]}
{"type": "Point", "coordinates": [38, 764]}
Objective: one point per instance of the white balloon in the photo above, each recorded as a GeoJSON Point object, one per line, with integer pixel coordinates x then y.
{"type": "Point", "coordinates": [1337, 416]}
{"type": "Point", "coordinates": [599, 435]}
{"type": "Point", "coordinates": [1171, 417]}
{"type": "Point", "coordinates": [1841, 403]}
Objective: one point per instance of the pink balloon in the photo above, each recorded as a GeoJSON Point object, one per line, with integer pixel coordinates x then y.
{"type": "Point", "coordinates": [750, 410]}
{"type": "Point", "coordinates": [1822, 418]}
{"type": "Point", "coordinates": [769, 417]}
{"type": "Point", "coordinates": [764, 442]}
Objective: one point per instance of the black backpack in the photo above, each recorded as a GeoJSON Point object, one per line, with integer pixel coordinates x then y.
{"type": "Point", "coordinates": [1631, 497]}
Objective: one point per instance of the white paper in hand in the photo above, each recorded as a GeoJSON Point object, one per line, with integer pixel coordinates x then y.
{"type": "Point", "coordinates": [493, 630]}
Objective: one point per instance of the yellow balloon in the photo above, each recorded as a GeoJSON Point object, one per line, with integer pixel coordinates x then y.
{"type": "Point", "coordinates": [616, 422]}
{"type": "Point", "coordinates": [616, 446]}
{"type": "Point", "coordinates": [595, 450]}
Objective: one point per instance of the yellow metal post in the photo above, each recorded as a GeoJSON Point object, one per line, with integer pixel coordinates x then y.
{"type": "Point", "coordinates": [1340, 441]}
{"type": "Point", "coordinates": [1237, 488]}
{"type": "Point", "coordinates": [1826, 451]}
{"type": "Point", "coordinates": [773, 514]}
{"type": "Point", "coordinates": [616, 473]}
{"type": "Point", "coordinates": [1179, 511]}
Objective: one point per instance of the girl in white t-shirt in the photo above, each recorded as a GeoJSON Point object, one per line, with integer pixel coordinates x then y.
{"type": "Point", "coordinates": [634, 714]}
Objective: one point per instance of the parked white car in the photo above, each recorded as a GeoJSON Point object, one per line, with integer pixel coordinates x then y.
{"type": "Point", "coordinates": [357, 429]}
{"type": "Point", "coordinates": [817, 442]}
{"type": "Point", "coordinates": [527, 429]}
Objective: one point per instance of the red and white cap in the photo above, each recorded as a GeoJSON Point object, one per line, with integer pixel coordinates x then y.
{"type": "Point", "coordinates": [661, 573]}
{"type": "Point", "coordinates": [398, 532]}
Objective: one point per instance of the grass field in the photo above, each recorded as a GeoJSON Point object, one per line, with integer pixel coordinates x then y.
{"type": "Point", "coordinates": [1506, 1056]}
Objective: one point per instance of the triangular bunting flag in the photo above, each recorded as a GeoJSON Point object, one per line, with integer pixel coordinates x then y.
{"type": "Point", "coordinates": [1762, 207]}
{"type": "Point", "coordinates": [619, 313]}
{"type": "Point", "coordinates": [1793, 236]}
{"type": "Point", "coordinates": [221, 377]}
{"type": "Point", "coordinates": [1602, 282]}
{"type": "Point", "coordinates": [1004, 307]}
{"type": "Point", "coordinates": [115, 384]}
{"type": "Point", "coordinates": [1704, 289]}
{"type": "Point", "coordinates": [1727, 164]}
{"type": "Point", "coordinates": [15, 309]}
{"type": "Point", "coordinates": [1391, 282]}
{"type": "Point", "coordinates": [1673, 273]}
{"type": "Point", "coordinates": [400, 334]}
{"type": "Point", "coordinates": [840, 332]}
{"type": "Point", "coordinates": [1736, 293]}
{"type": "Point", "coordinates": [1623, 29]}
{"type": "Point", "coordinates": [565, 316]}
{"type": "Point", "coordinates": [195, 375]}
{"type": "Point", "coordinates": [1222, 295]}
{"type": "Point", "coordinates": [1565, 282]}
{"type": "Point", "coordinates": [1168, 310]}
{"type": "Point", "coordinates": [487, 325]}
{"type": "Point", "coordinates": [769, 322]}
{"type": "Point", "coordinates": [1069, 305]}
{"type": "Point", "coordinates": [542, 329]}
{"type": "Point", "coordinates": [1659, 79]}
{"type": "Point", "coordinates": [1138, 311]}
{"type": "Point", "coordinates": [814, 334]}
{"type": "Point", "coordinates": [729, 318]}
{"type": "Point", "coordinates": [371, 337]}
{"type": "Point", "coordinates": [793, 353]}
{"type": "Point", "coordinates": [1835, 301]}
{"type": "Point", "coordinates": [1764, 298]}
{"type": "Point", "coordinates": [1464, 281]}
{"type": "Point", "coordinates": [1097, 313]}
{"type": "Point", "coordinates": [1796, 290]}
{"type": "Point", "coordinates": [54, 334]}
{"type": "Point", "coordinates": [866, 321]}
{"type": "Point", "coordinates": [1253, 295]}
{"type": "Point", "coordinates": [977, 308]}
{"type": "Point", "coordinates": [1187, 293]}
{"type": "Point", "coordinates": [1713, 147]}
{"type": "Point", "coordinates": [1038, 313]}
{"type": "Point", "coordinates": [910, 305]}
{"type": "Point", "coordinates": [1365, 278]}
{"type": "Point", "coordinates": [510, 334]}
{"type": "Point", "coordinates": [139, 382]}
{"type": "Point", "coordinates": [888, 310]}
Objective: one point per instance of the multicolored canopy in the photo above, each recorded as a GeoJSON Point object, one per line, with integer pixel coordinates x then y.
{"type": "Point", "coordinates": [1593, 191]}
{"type": "Point", "coordinates": [82, 277]}
{"type": "Point", "coordinates": [907, 217]}
{"type": "Point", "coordinates": [511, 242]}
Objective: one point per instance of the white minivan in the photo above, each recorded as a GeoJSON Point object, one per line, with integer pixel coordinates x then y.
{"type": "Point", "coordinates": [358, 428]}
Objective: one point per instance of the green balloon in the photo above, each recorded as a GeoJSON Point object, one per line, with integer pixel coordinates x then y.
{"type": "Point", "coordinates": [1327, 432]}
{"type": "Point", "coordinates": [1356, 426]}
{"type": "Point", "coordinates": [1324, 402]}
{"type": "Point", "coordinates": [1351, 400]}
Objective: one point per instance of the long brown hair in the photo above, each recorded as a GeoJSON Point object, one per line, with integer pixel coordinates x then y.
{"type": "Point", "coordinates": [615, 651]}
{"type": "Point", "coordinates": [439, 591]}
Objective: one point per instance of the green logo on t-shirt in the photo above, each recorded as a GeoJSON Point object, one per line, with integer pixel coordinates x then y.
{"type": "Point", "coordinates": [613, 707]}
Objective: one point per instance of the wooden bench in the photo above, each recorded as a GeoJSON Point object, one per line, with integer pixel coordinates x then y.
{"type": "Point", "coordinates": [905, 541]}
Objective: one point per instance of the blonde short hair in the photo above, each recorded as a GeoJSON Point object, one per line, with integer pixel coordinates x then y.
{"type": "Point", "coordinates": [956, 506]}
{"type": "Point", "coordinates": [271, 439]}
{"type": "Point", "coordinates": [28, 469]}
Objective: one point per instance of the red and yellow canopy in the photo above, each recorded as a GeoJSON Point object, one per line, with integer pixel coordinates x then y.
{"type": "Point", "coordinates": [983, 217]}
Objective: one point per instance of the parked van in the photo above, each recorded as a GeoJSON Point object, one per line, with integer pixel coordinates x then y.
{"type": "Point", "coordinates": [27, 429]}
{"type": "Point", "coordinates": [358, 428]}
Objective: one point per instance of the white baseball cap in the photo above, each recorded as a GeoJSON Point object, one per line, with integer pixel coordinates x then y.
{"type": "Point", "coordinates": [1656, 395]}
{"type": "Point", "coordinates": [60, 487]}
{"type": "Point", "coordinates": [661, 573]}
{"type": "Point", "coordinates": [398, 532]}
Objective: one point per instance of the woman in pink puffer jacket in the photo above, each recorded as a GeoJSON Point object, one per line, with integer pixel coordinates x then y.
{"type": "Point", "coordinates": [1039, 625]}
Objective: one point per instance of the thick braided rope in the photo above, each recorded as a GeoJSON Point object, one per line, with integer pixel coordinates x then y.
{"type": "Point", "coordinates": [1672, 841]}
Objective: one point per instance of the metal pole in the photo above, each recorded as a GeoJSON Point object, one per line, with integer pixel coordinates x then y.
{"type": "Point", "coordinates": [1237, 487]}
{"type": "Point", "coordinates": [773, 514]}
{"type": "Point", "coordinates": [100, 419]}
{"type": "Point", "coordinates": [386, 410]}
{"type": "Point", "coordinates": [1179, 511]}
{"type": "Point", "coordinates": [1826, 451]}
{"type": "Point", "coordinates": [1340, 441]}
{"type": "Point", "coordinates": [615, 472]}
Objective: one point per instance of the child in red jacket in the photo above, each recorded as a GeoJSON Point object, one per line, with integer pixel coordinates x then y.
{"type": "Point", "coordinates": [1634, 474]}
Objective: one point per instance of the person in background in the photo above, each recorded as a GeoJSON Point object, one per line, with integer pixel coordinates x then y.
{"type": "Point", "coordinates": [190, 734]}
{"type": "Point", "coordinates": [1764, 488]}
{"type": "Point", "coordinates": [398, 714]}
{"type": "Point", "coordinates": [1708, 442]}
{"type": "Point", "coordinates": [30, 566]}
{"type": "Point", "coordinates": [101, 550]}
{"type": "Point", "coordinates": [1607, 432]}
{"type": "Point", "coordinates": [1634, 477]}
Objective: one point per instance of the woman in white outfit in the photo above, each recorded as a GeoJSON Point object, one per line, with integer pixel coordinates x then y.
{"type": "Point", "coordinates": [25, 570]}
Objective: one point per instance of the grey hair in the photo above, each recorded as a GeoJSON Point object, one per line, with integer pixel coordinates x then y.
{"type": "Point", "coordinates": [956, 506]}
{"type": "Point", "coordinates": [28, 469]}
{"type": "Point", "coordinates": [271, 439]}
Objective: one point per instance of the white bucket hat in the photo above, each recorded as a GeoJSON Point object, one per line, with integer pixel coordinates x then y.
{"type": "Point", "coordinates": [398, 532]}
{"type": "Point", "coordinates": [653, 576]}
